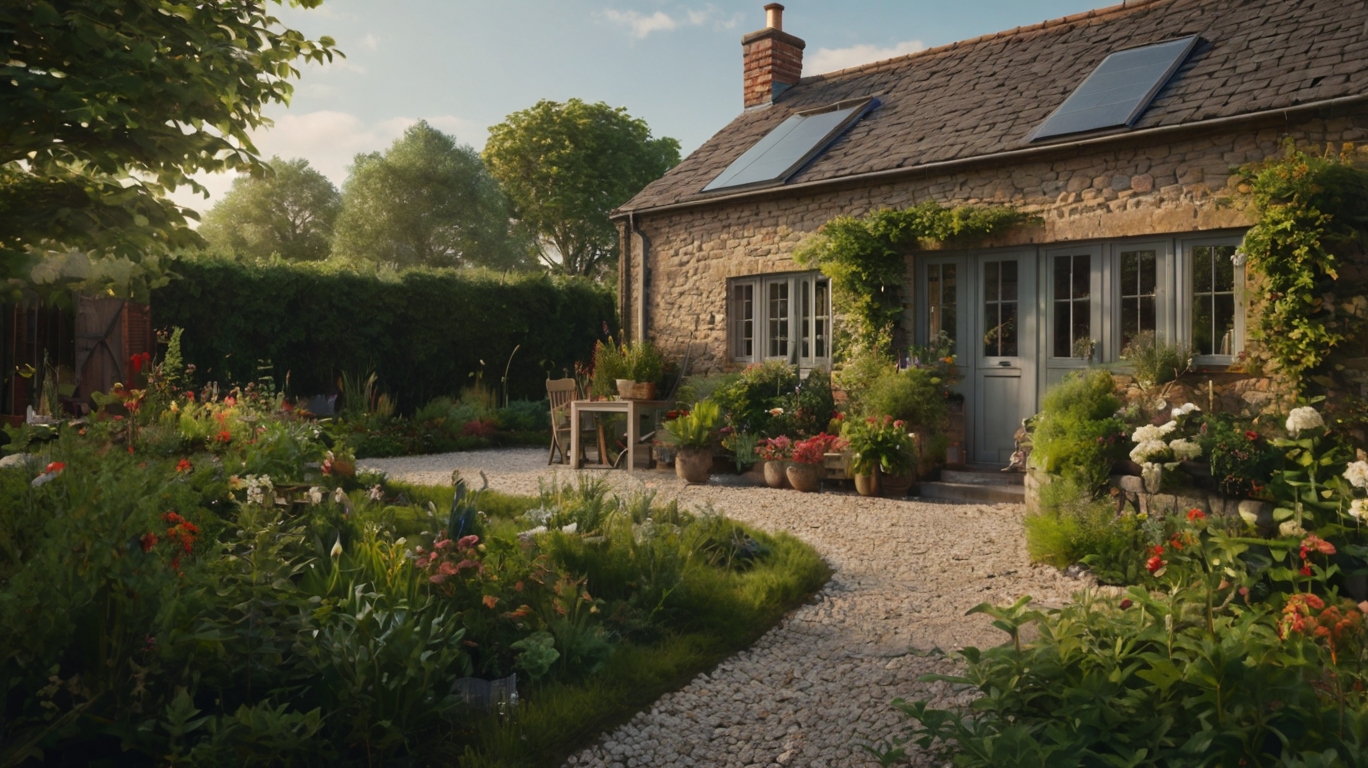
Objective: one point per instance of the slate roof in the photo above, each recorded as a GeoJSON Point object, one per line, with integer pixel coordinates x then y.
{"type": "Point", "coordinates": [984, 96]}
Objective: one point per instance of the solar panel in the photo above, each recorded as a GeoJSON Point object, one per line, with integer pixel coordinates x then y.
{"type": "Point", "coordinates": [789, 147]}
{"type": "Point", "coordinates": [1119, 90]}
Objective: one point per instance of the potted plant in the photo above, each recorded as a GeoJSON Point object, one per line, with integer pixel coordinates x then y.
{"type": "Point", "coordinates": [694, 433]}
{"type": "Point", "coordinates": [805, 472]}
{"type": "Point", "coordinates": [643, 367]}
{"type": "Point", "coordinates": [882, 454]}
{"type": "Point", "coordinates": [777, 453]}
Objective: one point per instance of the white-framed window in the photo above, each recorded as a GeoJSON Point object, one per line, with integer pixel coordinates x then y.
{"type": "Point", "coordinates": [780, 317]}
{"type": "Point", "coordinates": [1074, 279]}
{"type": "Point", "coordinates": [1212, 316]}
{"type": "Point", "coordinates": [942, 301]}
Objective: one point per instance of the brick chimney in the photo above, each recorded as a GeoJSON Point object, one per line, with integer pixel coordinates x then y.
{"type": "Point", "coordinates": [772, 59]}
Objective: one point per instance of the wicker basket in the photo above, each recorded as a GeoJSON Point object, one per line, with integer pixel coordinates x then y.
{"type": "Point", "coordinates": [636, 390]}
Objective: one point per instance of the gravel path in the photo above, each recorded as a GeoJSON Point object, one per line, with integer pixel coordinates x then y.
{"type": "Point", "coordinates": [818, 686]}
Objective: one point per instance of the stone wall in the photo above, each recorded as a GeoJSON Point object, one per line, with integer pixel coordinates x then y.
{"type": "Point", "coordinates": [1165, 186]}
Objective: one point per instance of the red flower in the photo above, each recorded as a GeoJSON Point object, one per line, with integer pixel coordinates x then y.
{"type": "Point", "coordinates": [1251, 436]}
{"type": "Point", "coordinates": [1176, 542]}
{"type": "Point", "coordinates": [1320, 545]}
{"type": "Point", "coordinates": [1196, 514]}
{"type": "Point", "coordinates": [1126, 604]}
{"type": "Point", "coordinates": [225, 436]}
{"type": "Point", "coordinates": [190, 395]}
{"type": "Point", "coordinates": [184, 465]}
{"type": "Point", "coordinates": [1158, 550]}
{"type": "Point", "coordinates": [172, 518]}
{"type": "Point", "coordinates": [149, 540]}
{"type": "Point", "coordinates": [230, 401]}
{"type": "Point", "coordinates": [54, 468]}
{"type": "Point", "coordinates": [130, 449]}
{"type": "Point", "coordinates": [138, 361]}
{"type": "Point", "coordinates": [1305, 570]}
{"type": "Point", "coordinates": [1154, 563]}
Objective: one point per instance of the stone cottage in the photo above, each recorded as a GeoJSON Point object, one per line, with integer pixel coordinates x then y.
{"type": "Point", "coordinates": [1119, 128]}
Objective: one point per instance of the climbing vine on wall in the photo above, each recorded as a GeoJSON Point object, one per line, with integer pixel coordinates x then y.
{"type": "Point", "coordinates": [1311, 216]}
{"type": "Point", "coordinates": [865, 257]}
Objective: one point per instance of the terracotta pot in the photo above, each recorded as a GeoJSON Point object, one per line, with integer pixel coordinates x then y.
{"type": "Point", "coordinates": [896, 486]}
{"type": "Point", "coordinates": [693, 465]}
{"type": "Point", "coordinates": [804, 477]}
{"type": "Point", "coordinates": [868, 485]}
{"type": "Point", "coordinates": [774, 474]}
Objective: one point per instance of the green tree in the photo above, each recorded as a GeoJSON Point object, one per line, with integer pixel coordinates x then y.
{"type": "Point", "coordinates": [565, 167]}
{"type": "Point", "coordinates": [106, 106]}
{"type": "Point", "coordinates": [288, 211]}
{"type": "Point", "coordinates": [427, 201]}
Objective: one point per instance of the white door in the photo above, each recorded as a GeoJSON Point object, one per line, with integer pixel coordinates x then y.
{"type": "Point", "coordinates": [1004, 349]}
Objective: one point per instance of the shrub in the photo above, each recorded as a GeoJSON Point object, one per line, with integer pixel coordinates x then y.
{"type": "Point", "coordinates": [526, 415]}
{"type": "Point", "coordinates": [1243, 462]}
{"type": "Point", "coordinates": [1156, 362]}
{"type": "Point", "coordinates": [916, 396]}
{"type": "Point", "coordinates": [1077, 433]}
{"type": "Point", "coordinates": [419, 329]}
{"type": "Point", "coordinates": [1073, 528]}
{"type": "Point", "coordinates": [761, 388]}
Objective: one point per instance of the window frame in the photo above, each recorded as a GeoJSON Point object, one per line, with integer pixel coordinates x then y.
{"type": "Point", "coordinates": [1187, 302]}
{"type": "Point", "coordinates": [1096, 329]}
{"type": "Point", "coordinates": [1164, 298]}
{"type": "Point", "coordinates": [798, 329]}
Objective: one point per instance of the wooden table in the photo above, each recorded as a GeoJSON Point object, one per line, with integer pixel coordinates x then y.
{"type": "Point", "coordinates": [634, 410]}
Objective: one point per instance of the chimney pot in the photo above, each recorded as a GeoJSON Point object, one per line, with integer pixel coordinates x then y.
{"type": "Point", "coordinates": [774, 16]}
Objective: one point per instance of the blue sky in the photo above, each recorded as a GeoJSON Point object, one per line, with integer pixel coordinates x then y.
{"type": "Point", "coordinates": [463, 65]}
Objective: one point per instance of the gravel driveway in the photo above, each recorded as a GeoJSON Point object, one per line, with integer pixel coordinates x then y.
{"type": "Point", "coordinates": [818, 686]}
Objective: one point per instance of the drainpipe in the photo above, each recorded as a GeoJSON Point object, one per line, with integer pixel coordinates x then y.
{"type": "Point", "coordinates": [642, 278]}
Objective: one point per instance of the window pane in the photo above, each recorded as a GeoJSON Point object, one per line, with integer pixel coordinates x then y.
{"type": "Point", "coordinates": [948, 284]}
{"type": "Point", "coordinates": [743, 321]}
{"type": "Point", "coordinates": [1201, 324]}
{"type": "Point", "coordinates": [1082, 324]}
{"type": "Point", "coordinates": [934, 293]}
{"type": "Point", "coordinates": [778, 319]}
{"type": "Point", "coordinates": [1130, 319]}
{"type": "Point", "coordinates": [1062, 268]}
{"type": "Point", "coordinates": [1149, 271]}
{"type": "Point", "coordinates": [1062, 343]}
{"type": "Point", "coordinates": [1009, 280]}
{"type": "Point", "coordinates": [1223, 268]}
{"type": "Point", "coordinates": [1213, 300]}
{"type": "Point", "coordinates": [1130, 274]}
{"type": "Point", "coordinates": [992, 336]}
{"type": "Point", "coordinates": [805, 318]}
{"type": "Point", "coordinates": [1201, 269]}
{"type": "Point", "coordinates": [1009, 326]}
{"type": "Point", "coordinates": [1082, 274]}
{"type": "Point", "coordinates": [1224, 322]}
{"type": "Point", "coordinates": [823, 319]}
{"type": "Point", "coordinates": [990, 281]}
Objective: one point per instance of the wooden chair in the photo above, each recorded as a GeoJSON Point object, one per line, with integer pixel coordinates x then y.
{"type": "Point", "coordinates": [560, 392]}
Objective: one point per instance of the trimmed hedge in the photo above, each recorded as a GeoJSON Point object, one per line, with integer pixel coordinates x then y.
{"type": "Point", "coordinates": [424, 331]}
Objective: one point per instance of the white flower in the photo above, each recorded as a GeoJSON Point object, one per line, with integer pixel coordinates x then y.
{"type": "Point", "coordinates": [571, 528]}
{"type": "Point", "coordinates": [337, 547]}
{"type": "Point", "coordinates": [1301, 419]}
{"type": "Point", "coordinates": [1167, 427]}
{"type": "Point", "coordinates": [1357, 474]}
{"type": "Point", "coordinates": [1358, 509]}
{"type": "Point", "coordinates": [1185, 410]}
{"type": "Point", "coordinates": [1185, 449]}
{"type": "Point", "coordinates": [315, 495]}
{"type": "Point", "coordinates": [339, 496]}
{"type": "Point", "coordinates": [1147, 450]}
{"type": "Point", "coordinates": [376, 493]}
{"type": "Point", "coordinates": [1146, 433]}
{"type": "Point", "coordinates": [1291, 528]}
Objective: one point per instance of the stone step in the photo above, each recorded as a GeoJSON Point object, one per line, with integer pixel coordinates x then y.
{"type": "Point", "coordinates": [982, 477]}
{"type": "Point", "coordinates": [973, 493]}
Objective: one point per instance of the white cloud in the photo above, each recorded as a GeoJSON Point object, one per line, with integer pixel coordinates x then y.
{"type": "Point", "coordinates": [832, 59]}
{"type": "Point", "coordinates": [640, 25]}
{"type": "Point", "coordinates": [330, 140]}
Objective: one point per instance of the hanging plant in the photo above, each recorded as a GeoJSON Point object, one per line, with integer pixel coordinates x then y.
{"type": "Point", "coordinates": [865, 257]}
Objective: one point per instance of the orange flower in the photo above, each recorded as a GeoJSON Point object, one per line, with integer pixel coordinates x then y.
{"type": "Point", "coordinates": [184, 465]}
{"type": "Point", "coordinates": [490, 601]}
{"type": "Point", "coordinates": [1315, 543]}
{"type": "Point", "coordinates": [1195, 514]}
{"type": "Point", "coordinates": [54, 468]}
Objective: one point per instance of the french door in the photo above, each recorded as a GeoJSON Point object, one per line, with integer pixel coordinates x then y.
{"type": "Point", "coordinates": [1003, 347]}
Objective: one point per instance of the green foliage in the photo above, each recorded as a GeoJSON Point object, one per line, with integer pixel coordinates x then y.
{"type": "Point", "coordinates": [1077, 434]}
{"type": "Point", "coordinates": [916, 396]}
{"type": "Point", "coordinates": [633, 360]}
{"type": "Point", "coordinates": [697, 428]}
{"type": "Point", "coordinates": [423, 331]}
{"type": "Point", "coordinates": [1072, 527]}
{"type": "Point", "coordinates": [880, 444]}
{"type": "Point", "coordinates": [1243, 463]}
{"type": "Point", "coordinates": [565, 167]}
{"type": "Point", "coordinates": [866, 258]}
{"type": "Point", "coordinates": [1309, 213]}
{"type": "Point", "coordinates": [165, 609]}
{"type": "Point", "coordinates": [109, 106]}
{"type": "Point", "coordinates": [426, 201]}
{"type": "Point", "coordinates": [1156, 362]}
{"type": "Point", "coordinates": [749, 399]}
{"type": "Point", "coordinates": [287, 211]}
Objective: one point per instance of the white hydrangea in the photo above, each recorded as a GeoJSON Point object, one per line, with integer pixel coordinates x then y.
{"type": "Point", "coordinates": [1186, 409]}
{"type": "Point", "coordinates": [1185, 449]}
{"type": "Point", "coordinates": [1301, 419]}
{"type": "Point", "coordinates": [1357, 474]}
{"type": "Point", "coordinates": [1147, 450]}
{"type": "Point", "coordinates": [1358, 508]}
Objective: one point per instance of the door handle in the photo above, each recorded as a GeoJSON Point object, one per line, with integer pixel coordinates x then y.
{"type": "Point", "coordinates": [1005, 363]}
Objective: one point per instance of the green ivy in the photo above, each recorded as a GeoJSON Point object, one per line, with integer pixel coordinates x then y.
{"type": "Point", "coordinates": [865, 258]}
{"type": "Point", "coordinates": [1310, 210]}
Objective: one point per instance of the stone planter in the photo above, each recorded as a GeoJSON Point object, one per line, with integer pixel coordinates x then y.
{"type": "Point", "coordinates": [694, 465]}
{"type": "Point", "coordinates": [868, 484]}
{"type": "Point", "coordinates": [804, 477]}
{"type": "Point", "coordinates": [774, 474]}
{"type": "Point", "coordinates": [897, 486]}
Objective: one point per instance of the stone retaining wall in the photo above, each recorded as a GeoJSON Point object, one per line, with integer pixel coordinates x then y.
{"type": "Point", "coordinates": [1129, 491]}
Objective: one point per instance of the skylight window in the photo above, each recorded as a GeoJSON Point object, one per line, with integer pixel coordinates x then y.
{"type": "Point", "coordinates": [793, 144]}
{"type": "Point", "coordinates": [1119, 91]}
